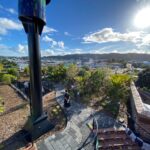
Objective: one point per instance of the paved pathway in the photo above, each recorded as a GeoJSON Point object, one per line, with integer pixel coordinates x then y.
{"type": "Point", "coordinates": [76, 132]}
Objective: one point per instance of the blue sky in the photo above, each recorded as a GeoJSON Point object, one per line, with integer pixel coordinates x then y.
{"type": "Point", "coordinates": [78, 26]}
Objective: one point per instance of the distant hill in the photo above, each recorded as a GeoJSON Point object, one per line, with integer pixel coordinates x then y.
{"type": "Point", "coordinates": [115, 56]}
{"type": "Point", "coordinates": [111, 56]}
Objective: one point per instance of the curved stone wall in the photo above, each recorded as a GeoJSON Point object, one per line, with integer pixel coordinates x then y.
{"type": "Point", "coordinates": [140, 113]}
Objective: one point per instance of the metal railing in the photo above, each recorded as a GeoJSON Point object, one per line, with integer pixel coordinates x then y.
{"type": "Point", "coordinates": [92, 138]}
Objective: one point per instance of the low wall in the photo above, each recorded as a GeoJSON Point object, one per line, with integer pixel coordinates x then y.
{"type": "Point", "coordinates": [20, 92]}
{"type": "Point", "coordinates": [140, 113]}
{"type": "Point", "coordinates": [45, 98]}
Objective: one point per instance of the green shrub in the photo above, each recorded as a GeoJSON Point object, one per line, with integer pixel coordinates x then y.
{"type": "Point", "coordinates": [26, 71]}
{"type": "Point", "coordinates": [8, 78]}
{"type": "Point", "coordinates": [56, 73]}
{"type": "Point", "coordinates": [144, 79]}
{"type": "Point", "coordinates": [1, 67]}
{"type": "Point", "coordinates": [119, 87]}
{"type": "Point", "coordinates": [13, 71]}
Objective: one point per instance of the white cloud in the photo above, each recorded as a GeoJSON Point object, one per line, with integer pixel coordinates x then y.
{"type": "Point", "coordinates": [105, 49]}
{"type": "Point", "coordinates": [3, 31]}
{"type": "Point", "coordinates": [18, 50]}
{"type": "Point", "coordinates": [22, 48]}
{"type": "Point", "coordinates": [77, 51]}
{"type": "Point", "coordinates": [12, 11]}
{"type": "Point", "coordinates": [48, 39]}
{"type": "Point", "coordinates": [8, 24]}
{"type": "Point", "coordinates": [59, 44]}
{"type": "Point", "coordinates": [67, 34]}
{"type": "Point", "coordinates": [7, 50]}
{"type": "Point", "coordinates": [143, 2]}
{"type": "Point", "coordinates": [48, 30]}
{"type": "Point", "coordinates": [140, 51]}
{"type": "Point", "coordinates": [47, 52]}
{"type": "Point", "coordinates": [121, 51]}
{"type": "Point", "coordinates": [53, 52]}
{"type": "Point", "coordinates": [58, 51]}
{"type": "Point", "coordinates": [138, 38]}
{"type": "Point", "coordinates": [108, 35]}
{"type": "Point", "coordinates": [2, 46]}
{"type": "Point", "coordinates": [146, 40]}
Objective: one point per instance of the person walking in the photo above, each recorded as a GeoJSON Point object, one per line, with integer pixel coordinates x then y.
{"type": "Point", "coordinates": [26, 86]}
{"type": "Point", "coordinates": [66, 99]}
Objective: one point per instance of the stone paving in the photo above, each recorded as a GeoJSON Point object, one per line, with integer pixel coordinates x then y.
{"type": "Point", "coordinates": [76, 131]}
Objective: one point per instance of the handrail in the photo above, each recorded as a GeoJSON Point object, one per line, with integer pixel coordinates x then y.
{"type": "Point", "coordinates": [134, 138]}
{"type": "Point", "coordinates": [85, 143]}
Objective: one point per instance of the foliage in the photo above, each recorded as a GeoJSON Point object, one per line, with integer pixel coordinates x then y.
{"type": "Point", "coordinates": [120, 79]}
{"type": "Point", "coordinates": [117, 92]}
{"type": "Point", "coordinates": [140, 65]}
{"type": "Point", "coordinates": [8, 64]}
{"type": "Point", "coordinates": [44, 71]}
{"type": "Point", "coordinates": [8, 78]}
{"type": "Point", "coordinates": [1, 75]}
{"type": "Point", "coordinates": [81, 72]}
{"type": "Point", "coordinates": [13, 71]}
{"type": "Point", "coordinates": [8, 71]}
{"type": "Point", "coordinates": [111, 106]}
{"type": "Point", "coordinates": [95, 82]}
{"type": "Point", "coordinates": [1, 67]}
{"type": "Point", "coordinates": [144, 79]}
{"type": "Point", "coordinates": [71, 73]}
{"type": "Point", "coordinates": [56, 73]}
{"type": "Point", "coordinates": [90, 83]}
{"type": "Point", "coordinates": [79, 82]}
{"type": "Point", "coordinates": [86, 68]}
{"type": "Point", "coordinates": [26, 70]}
{"type": "Point", "coordinates": [119, 87]}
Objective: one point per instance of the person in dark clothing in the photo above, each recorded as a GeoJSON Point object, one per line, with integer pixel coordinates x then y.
{"type": "Point", "coordinates": [26, 86]}
{"type": "Point", "coordinates": [66, 99]}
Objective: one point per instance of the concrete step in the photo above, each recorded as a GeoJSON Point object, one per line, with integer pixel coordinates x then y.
{"type": "Point", "coordinates": [114, 135]}
{"type": "Point", "coordinates": [124, 147]}
{"type": "Point", "coordinates": [116, 142]}
{"type": "Point", "coordinates": [112, 139]}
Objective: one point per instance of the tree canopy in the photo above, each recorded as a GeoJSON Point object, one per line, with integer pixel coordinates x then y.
{"type": "Point", "coordinates": [56, 73]}
{"type": "Point", "coordinates": [144, 79]}
{"type": "Point", "coordinates": [1, 67]}
{"type": "Point", "coordinates": [13, 71]}
{"type": "Point", "coordinates": [119, 87]}
{"type": "Point", "coordinates": [8, 78]}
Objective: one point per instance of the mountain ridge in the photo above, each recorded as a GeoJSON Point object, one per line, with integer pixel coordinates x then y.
{"type": "Point", "coordinates": [86, 56]}
{"type": "Point", "coordinates": [116, 56]}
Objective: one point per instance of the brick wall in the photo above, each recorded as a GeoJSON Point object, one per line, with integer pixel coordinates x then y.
{"type": "Point", "coordinates": [140, 115]}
